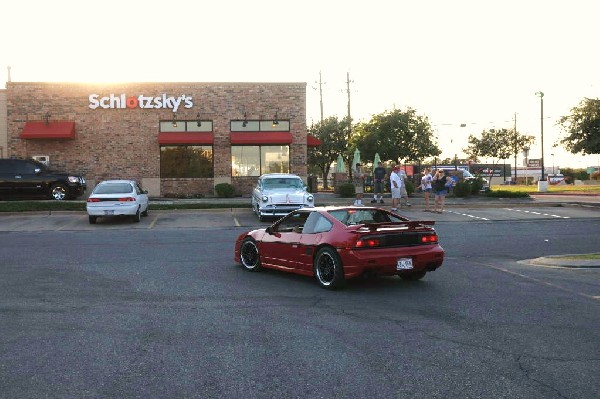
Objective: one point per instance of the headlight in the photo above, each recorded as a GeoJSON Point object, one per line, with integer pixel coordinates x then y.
{"type": "Point", "coordinates": [265, 198]}
{"type": "Point", "coordinates": [310, 198]}
{"type": "Point", "coordinates": [73, 179]}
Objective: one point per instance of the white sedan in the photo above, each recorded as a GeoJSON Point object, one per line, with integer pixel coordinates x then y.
{"type": "Point", "coordinates": [117, 198]}
{"type": "Point", "coordinates": [277, 194]}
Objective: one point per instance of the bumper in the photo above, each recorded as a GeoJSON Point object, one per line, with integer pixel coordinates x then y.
{"type": "Point", "coordinates": [112, 210]}
{"type": "Point", "coordinates": [77, 190]}
{"type": "Point", "coordinates": [382, 261]}
{"type": "Point", "coordinates": [281, 210]}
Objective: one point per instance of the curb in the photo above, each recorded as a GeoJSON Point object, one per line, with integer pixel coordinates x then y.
{"type": "Point", "coordinates": [562, 261]}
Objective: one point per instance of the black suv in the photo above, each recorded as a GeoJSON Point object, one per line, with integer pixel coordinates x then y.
{"type": "Point", "coordinates": [29, 178]}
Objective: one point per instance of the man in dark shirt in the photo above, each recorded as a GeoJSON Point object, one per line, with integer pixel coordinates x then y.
{"type": "Point", "coordinates": [378, 182]}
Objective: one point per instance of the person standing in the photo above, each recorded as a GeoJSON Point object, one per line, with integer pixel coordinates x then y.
{"type": "Point", "coordinates": [378, 179]}
{"type": "Point", "coordinates": [395, 185]}
{"type": "Point", "coordinates": [440, 189]}
{"type": "Point", "coordinates": [357, 179]}
{"type": "Point", "coordinates": [403, 192]}
{"type": "Point", "coordinates": [426, 187]}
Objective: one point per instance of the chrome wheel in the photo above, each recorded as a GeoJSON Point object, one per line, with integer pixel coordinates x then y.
{"type": "Point", "coordinates": [58, 192]}
{"type": "Point", "coordinates": [249, 255]}
{"type": "Point", "coordinates": [328, 269]}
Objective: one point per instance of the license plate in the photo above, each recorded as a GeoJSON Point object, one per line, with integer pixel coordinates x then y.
{"type": "Point", "coordinates": [404, 264]}
{"type": "Point", "coordinates": [109, 212]}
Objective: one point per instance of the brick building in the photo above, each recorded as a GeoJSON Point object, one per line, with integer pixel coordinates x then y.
{"type": "Point", "coordinates": [177, 139]}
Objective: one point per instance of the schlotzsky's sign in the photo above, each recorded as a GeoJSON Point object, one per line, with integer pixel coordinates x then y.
{"type": "Point", "coordinates": [122, 101]}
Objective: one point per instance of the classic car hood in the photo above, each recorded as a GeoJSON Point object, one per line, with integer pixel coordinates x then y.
{"type": "Point", "coordinates": [285, 195]}
{"type": "Point", "coordinates": [284, 191]}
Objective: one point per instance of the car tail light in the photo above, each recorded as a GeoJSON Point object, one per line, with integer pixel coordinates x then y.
{"type": "Point", "coordinates": [429, 239]}
{"type": "Point", "coordinates": [367, 243]}
{"type": "Point", "coordinates": [127, 199]}
{"type": "Point", "coordinates": [93, 200]}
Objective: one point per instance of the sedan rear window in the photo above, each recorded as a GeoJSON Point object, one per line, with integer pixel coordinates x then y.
{"type": "Point", "coordinates": [114, 188]}
{"type": "Point", "coordinates": [361, 216]}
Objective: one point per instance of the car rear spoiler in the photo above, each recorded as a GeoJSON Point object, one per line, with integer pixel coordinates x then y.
{"type": "Point", "coordinates": [411, 224]}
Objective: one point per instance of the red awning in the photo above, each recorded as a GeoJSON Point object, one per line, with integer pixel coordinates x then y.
{"type": "Point", "coordinates": [312, 141]}
{"type": "Point", "coordinates": [50, 130]}
{"type": "Point", "coordinates": [261, 138]}
{"type": "Point", "coordinates": [186, 138]}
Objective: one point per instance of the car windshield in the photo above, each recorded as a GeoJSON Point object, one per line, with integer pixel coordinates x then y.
{"type": "Point", "coordinates": [114, 188]}
{"type": "Point", "coordinates": [360, 216]}
{"type": "Point", "coordinates": [282, 182]}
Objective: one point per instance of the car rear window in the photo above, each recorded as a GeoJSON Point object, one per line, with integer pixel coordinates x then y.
{"type": "Point", "coordinates": [114, 188]}
{"type": "Point", "coordinates": [361, 216]}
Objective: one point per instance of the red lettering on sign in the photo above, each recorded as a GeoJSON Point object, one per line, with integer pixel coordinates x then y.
{"type": "Point", "coordinates": [132, 102]}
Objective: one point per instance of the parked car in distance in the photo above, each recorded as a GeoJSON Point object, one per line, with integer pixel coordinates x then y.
{"type": "Point", "coordinates": [277, 194]}
{"type": "Point", "coordinates": [26, 178]}
{"type": "Point", "coordinates": [334, 244]}
{"type": "Point", "coordinates": [112, 198]}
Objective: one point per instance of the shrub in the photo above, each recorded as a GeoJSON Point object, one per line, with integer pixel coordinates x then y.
{"type": "Point", "coordinates": [462, 189]}
{"type": "Point", "coordinates": [506, 194]}
{"type": "Point", "coordinates": [346, 190]}
{"type": "Point", "coordinates": [410, 187]}
{"type": "Point", "coordinates": [225, 190]}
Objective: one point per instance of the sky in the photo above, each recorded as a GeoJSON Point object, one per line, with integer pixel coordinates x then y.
{"type": "Point", "coordinates": [477, 63]}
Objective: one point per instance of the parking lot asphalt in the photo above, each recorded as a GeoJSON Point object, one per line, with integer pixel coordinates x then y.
{"type": "Point", "coordinates": [417, 202]}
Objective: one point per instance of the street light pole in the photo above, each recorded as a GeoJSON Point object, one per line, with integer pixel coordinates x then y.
{"type": "Point", "coordinates": [541, 96]}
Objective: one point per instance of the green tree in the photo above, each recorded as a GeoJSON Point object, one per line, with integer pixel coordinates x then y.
{"type": "Point", "coordinates": [334, 135]}
{"type": "Point", "coordinates": [519, 141]}
{"type": "Point", "coordinates": [396, 135]}
{"type": "Point", "coordinates": [494, 143]}
{"type": "Point", "coordinates": [582, 127]}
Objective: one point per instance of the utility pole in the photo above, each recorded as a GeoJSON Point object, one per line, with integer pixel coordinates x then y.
{"type": "Point", "coordinates": [348, 81]}
{"type": "Point", "coordinates": [515, 148]}
{"type": "Point", "coordinates": [321, 95]}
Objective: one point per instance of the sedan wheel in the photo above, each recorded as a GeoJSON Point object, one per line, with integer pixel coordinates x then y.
{"type": "Point", "coordinates": [59, 192]}
{"type": "Point", "coordinates": [136, 217]}
{"type": "Point", "coordinates": [249, 255]}
{"type": "Point", "coordinates": [328, 269]}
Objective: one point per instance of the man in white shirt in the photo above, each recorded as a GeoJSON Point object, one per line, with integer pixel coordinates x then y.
{"type": "Point", "coordinates": [396, 186]}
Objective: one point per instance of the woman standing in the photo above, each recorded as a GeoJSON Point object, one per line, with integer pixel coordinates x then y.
{"type": "Point", "coordinates": [426, 187]}
{"type": "Point", "coordinates": [440, 181]}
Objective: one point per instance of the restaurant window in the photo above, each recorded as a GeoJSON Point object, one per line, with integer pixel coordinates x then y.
{"type": "Point", "coordinates": [259, 125]}
{"type": "Point", "coordinates": [186, 161]}
{"type": "Point", "coordinates": [250, 160]}
{"type": "Point", "coordinates": [186, 126]}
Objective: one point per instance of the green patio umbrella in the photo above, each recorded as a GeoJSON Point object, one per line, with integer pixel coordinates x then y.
{"type": "Point", "coordinates": [376, 160]}
{"type": "Point", "coordinates": [356, 159]}
{"type": "Point", "coordinates": [340, 167]}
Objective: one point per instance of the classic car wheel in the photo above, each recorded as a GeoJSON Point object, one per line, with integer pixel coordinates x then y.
{"type": "Point", "coordinates": [328, 269]}
{"type": "Point", "coordinates": [412, 276]}
{"type": "Point", "coordinates": [93, 219]}
{"type": "Point", "coordinates": [249, 255]}
{"type": "Point", "coordinates": [59, 192]}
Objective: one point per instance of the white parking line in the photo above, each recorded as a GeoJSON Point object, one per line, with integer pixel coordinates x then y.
{"type": "Point", "coordinates": [538, 213]}
{"type": "Point", "coordinates": [468, 215]}
{"type": "Point", "coordinates": [72, 223]}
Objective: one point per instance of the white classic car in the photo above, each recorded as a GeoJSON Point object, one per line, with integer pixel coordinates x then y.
{"type": "Point", "coordinates": [277, 194]}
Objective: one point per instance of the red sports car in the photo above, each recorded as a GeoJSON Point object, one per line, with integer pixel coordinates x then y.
{"type": "Point", "coordinates": [337, 243]}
